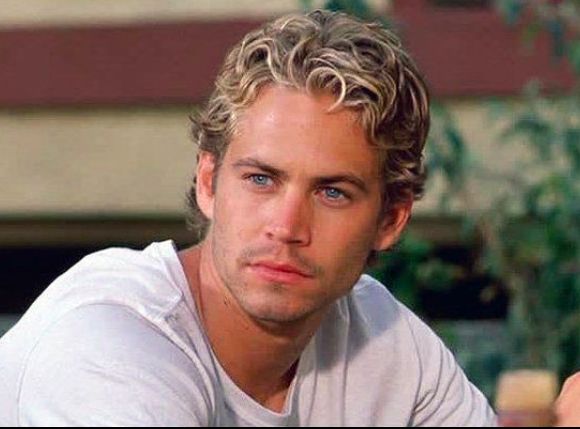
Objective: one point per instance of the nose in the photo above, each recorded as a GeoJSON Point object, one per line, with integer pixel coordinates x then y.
{"type": "Point", "coordinates": [289, 220]}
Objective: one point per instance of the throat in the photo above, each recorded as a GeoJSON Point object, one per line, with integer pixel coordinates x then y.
{"type": "Point", "coordinates": [276, 400]}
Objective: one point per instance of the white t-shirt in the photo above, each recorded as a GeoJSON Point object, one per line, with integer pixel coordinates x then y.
{"type": "Point", "coordinates": [116, 340]}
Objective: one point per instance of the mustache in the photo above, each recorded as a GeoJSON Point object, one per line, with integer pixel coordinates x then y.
{"type": "Point", "coordinates": [250, 255]}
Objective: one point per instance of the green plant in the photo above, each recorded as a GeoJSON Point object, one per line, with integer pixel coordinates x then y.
{"type": "Point", "coordinates": [528, 232]}
{"type": "Point", "coordinates": [358, 8]}
{"type": "Point", "coordinates": [413, 266]}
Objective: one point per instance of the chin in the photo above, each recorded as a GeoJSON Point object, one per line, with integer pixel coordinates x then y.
{"type": "Point", "coordinates": [270, 309]}
{"type": "Point", "coordinates": [277, 302]}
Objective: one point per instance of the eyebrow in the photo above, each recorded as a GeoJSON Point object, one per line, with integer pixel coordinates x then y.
{"type": "Point", "coordinates": [352, 179]}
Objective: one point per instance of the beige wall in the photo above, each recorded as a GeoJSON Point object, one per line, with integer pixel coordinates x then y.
{"type": "Point", "coordinates": [85, 161]}
{"type": "Point", "coordinates": [139, 161]}
{"type": "Point", "coordinates": [89, 12]}
{"type": "Point", "coordinates": [93, 12]}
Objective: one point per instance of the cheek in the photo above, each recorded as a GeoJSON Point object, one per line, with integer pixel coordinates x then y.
{"type": "Point", "coordinates": [356, 254]}
{"type": "Point", "coordinates": [347, 247]}
{"type": "Point", "coordinates": [350, 230]}
{"type": "Point", "coordinates": [234, 214]}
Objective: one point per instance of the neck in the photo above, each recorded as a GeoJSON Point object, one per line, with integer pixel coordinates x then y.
{"type": "Point", "coordinates": [260, 357]}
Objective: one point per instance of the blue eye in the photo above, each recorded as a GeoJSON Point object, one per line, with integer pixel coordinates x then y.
{"type": "Point", "coordinates": [259, 179]}
{"type": "Point", "coordinates": [334, 194]}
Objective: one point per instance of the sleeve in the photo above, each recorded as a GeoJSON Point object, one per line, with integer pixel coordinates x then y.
{"type": "Point", "coordinates": [446, 397]}
{"type": "Point", "coordinates": [102, 365]}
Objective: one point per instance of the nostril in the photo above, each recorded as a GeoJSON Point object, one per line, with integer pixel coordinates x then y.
{"type": "Point", "coordinates": [289, 220]}
{"type": "Point", "coordinates": [287, 236]}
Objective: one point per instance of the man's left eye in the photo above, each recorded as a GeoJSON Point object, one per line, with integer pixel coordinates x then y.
{"type": "Point", "coordinates": [334, 194]}
{"type": "Point", "coordinates": [259, 179]}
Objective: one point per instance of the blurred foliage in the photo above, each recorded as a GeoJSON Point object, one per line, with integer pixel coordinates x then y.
{"type": "Point", "coordinates": [358, 8]}
{"type": "Point", "coordinates": [528, 234]}
{"type": "Point", "coordinates": [530, 231]}
{"type": "Point", "coordinates": [412, 266]}
{"type": "Point", "coordinates": [481, 359]}
{"type": "Point", "coordinates": [557, 18]}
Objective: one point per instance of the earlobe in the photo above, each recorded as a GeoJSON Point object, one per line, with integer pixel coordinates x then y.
{"type": "Point", "coordinates": [204, 190]}
{"type": "Point", "coordinates": [393, 226]}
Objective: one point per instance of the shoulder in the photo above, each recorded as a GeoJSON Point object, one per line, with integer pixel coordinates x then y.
{"type": "Point", "coordinates": [141, 280]}
{"type": "Point", "coordinates": [372, 301]}
{"type": "Point", "coordinates": [105, 365]}
{"type": "Point", "coordinates": [373, 304]}
{"type": "Point", "coordinates": [107, 331]}
{"type": "Point", "coordinates": [415, 357]}
{"type": "Point", "coordinates": [149, 272]}
{"type": "Point", "coordinates": [370, 296]}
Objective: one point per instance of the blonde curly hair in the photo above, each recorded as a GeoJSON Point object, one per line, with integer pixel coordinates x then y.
{"type": "Point", "coordinates": [362, 64]}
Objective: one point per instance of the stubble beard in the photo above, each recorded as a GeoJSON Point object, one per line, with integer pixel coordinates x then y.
{"type": "Point", "coordinates": [268, 303]}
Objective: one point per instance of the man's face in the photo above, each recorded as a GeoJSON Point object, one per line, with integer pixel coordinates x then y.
{"type": "Point", "coordinates": [296, 207]}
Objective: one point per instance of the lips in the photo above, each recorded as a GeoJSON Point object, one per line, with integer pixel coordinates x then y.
{"type": "Point", "coordinates": [284, 273]}
{"type": "Point", "coordinates": [287, 268]}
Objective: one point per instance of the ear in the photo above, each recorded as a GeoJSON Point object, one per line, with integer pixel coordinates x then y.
{"type": "Point", "coordinates": [204, 190]}
{"type": "Point", "coordinates": [393, 225]}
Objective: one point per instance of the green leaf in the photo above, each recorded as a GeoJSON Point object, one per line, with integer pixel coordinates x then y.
{"type": "Point", "coordinates": [556, 30]}
{"type": "Point", "coordinates": [497, 109]}
{"type": "Point", "coordinates": [436, 275]}
{"type": "Point", "coordinates": [572, 147]}
{"type": "Point", "coordinates": [306, 5]}
{"type": "Point", "coordinates": [357, 8]}
{"type": "Point", "coordinates": [469, 227]}
{"type": "Point", "coordinates": [574, 54]}
{"type": "Point", "coordinates": [531, 32]}
{"type": "Point", "coordinates": [511, 10]}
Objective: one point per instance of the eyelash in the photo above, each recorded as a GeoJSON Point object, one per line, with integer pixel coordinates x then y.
{"type": "Point", "coordinates": [251, 178]}
{"type": "Point", "coordinates": [343, 195]}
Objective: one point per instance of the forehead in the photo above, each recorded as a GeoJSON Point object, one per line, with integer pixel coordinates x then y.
{"type": "Point", "coordinates": [289, 126]}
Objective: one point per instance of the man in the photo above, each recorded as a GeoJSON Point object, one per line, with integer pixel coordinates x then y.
{"type": "Point", "coordinates": [310, 159]}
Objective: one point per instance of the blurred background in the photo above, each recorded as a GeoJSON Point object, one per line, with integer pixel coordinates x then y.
{"type": "Point", "coordinates": [95, 152]}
